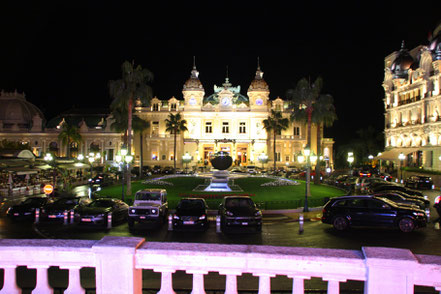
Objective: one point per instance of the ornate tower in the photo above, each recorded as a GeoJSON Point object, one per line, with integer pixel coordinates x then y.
{"type": "Point", "coordinates": [193, 91]}
{"type": "Point", "coordinates": [258, 92]}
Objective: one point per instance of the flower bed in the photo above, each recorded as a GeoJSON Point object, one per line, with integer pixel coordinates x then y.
{"type": "Point", "coordinates": [213, 196]}
{"type": "Point", "coordinates": [279, 183]}
{"type": "Point", "coordinates": [158, 182]}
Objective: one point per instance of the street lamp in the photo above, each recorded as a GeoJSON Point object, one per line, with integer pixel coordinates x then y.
{"type": "Point", "coordinates": [186, 158]}
{"type": "Point", "coordinates": [51, 161]}
{"type": "Point", "coordinates": [350, 159]}
{"type": "Point", "coordinates": [91, 160]}
{"type": "Point", "coordinates": [124, 159]}
{"type": "Point", "coordinates": [401, 157]}
{"type": "Point", "coordinates": [263, 158]}
{"type": "Point", "coordinates": [300, 158]}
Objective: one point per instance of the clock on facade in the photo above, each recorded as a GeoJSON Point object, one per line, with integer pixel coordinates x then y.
{"type": "Point", "coordinates": [225, 101]}
{"type": "Point", "coordinates": [192, 101]}
{"type": "Point", "coordinates": [259, 101]}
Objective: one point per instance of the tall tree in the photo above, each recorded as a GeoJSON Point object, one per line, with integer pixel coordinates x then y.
{"type": "Point", "coordinates": [133, 85]}
{"type": "Point", "coordinates": [174, 124]}
{"type": "Point", "coordinates": [275, 123]}
{"type": "Point", "coordinates": [69, 134]}
{"type": "Point", "coordinates": [323, 116]}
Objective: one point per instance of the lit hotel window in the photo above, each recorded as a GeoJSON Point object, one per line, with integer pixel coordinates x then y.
{"type": "Point", "coordinates": [242, 128]}
{"type": "Point", "coordinates": [208, 127]}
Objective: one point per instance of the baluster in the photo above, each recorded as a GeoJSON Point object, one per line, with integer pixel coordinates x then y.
{"type": "Point", "coordinates": [298, 284]}
{"type": "Point", "coordinates": [42, 281]}
{"type": "Point", "coordinates": [264, 283]}
{"type": "Point", "coordinates": [74, 282]}
{"type": "Point", "coordinates": [166, 282]}
{"type": "Point", "coordinates": [333, 284]}
{"type": "Point", "coordinates": [198, 281]}
{"type": "Point", "coordinates": [231, 283]}
{"type": "Point", "coordinates": [9, 281]}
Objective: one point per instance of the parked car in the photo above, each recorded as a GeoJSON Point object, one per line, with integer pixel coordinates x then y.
{"type": "Point", "coordinates": [149, 205]}
{"type": "Point", "coordinates": [101, 180]}
{"type": "Point", "coordinates": [367, 210]}
{"type": "Point", "coordinates": [156, 169]}
{"type": "Point", "coordinates": [424, 199]}
{"type": "Point", "coordinates": [362, 184]}
{"type": "Point", "coordinates": [252, 169]}
{"type": "Point", "coordinates": [26, 209]}
{"type": "Point", "coordinates": [419, 182]}
{"type": "Point", "coordinates": [191, 213]}
{"type": "Point", "coordinates": [168, 170]}
{"type": "Point", "coordinates": [239, 211]}
{"type": "Point", "coordinates": [54, 211]}
{"type": "Point", "coordinates": [379, 187]}
{"type": "Point", "coordinates": [400, 199]}
{"type": "Point", "coordinates": [437, 206]}
{"type": "Point", "coordinates": [98, 211]}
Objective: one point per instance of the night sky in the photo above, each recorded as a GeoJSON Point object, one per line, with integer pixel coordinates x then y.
{"type": "Point", "coordinates": [64, 56]}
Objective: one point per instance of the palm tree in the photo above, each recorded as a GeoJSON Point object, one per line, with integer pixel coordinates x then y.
{"type": "Point", "coordinates": [139, 126]}
{"type": "Point", "coordinates": [174, 124]}
{"type": "Point", "coordinates": [69, 134]}
{"type": "Point", "coordinates": [132, 85]}
{"type": "Point", "coordinates": [323, 116]}
{"type": "Point", "coordinates": [275, 123]}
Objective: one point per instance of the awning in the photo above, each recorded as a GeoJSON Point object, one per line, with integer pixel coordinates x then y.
{"type": "Point", "coordinates": [77, 165]}
{"type": "Point", "coordinates": [393, 153]}
{"type": "Point", "coordinates": [22, 170]}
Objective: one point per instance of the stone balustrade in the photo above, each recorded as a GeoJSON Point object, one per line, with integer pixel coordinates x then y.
{"type": "Point", "coordinates": [119, 261]}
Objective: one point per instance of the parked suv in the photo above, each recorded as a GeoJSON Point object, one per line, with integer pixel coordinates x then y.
{"type": "Point", "coordinates": [149, 205]}
{"type": "Point", "coordinates": [239, 211]}
{"type": "Point", "coordinates": [191, 213]}
{"type": "Point", "coordinates": [346, 211]}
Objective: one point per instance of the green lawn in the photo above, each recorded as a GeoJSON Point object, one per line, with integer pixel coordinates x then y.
{"type": "Point", "coordinates": [267, 197]}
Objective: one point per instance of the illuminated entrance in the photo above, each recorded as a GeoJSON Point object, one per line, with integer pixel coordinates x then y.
{"type": "Point", "coordinates": [241, 154]}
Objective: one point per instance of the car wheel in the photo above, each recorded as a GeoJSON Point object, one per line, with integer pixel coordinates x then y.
{"type": "Point", "coordinates": [406, 225]}
{"type": "Point", "coordinates": [340, 223]}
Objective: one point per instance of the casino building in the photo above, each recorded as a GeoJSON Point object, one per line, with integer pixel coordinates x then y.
{"type": "Point", "coordinates": [224, 120]}
{"type": "Point", "coordinates": [412, 83]}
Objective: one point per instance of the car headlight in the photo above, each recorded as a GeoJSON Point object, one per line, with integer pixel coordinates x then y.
{"type": "Point", "coordinates": [154, 211]}
{"type": "Point", "coordinates": [133, 211]}
{"type": "Point", "coordinates": [90, 180]}
{"type": "Point", "coordinates": [426, 197]}
{"type": "Point", "coordinates": [9, 210]}
{"type": "Point", "coordinates": [229, 213]}
{"type": "Point", "coordinates": [202, 217]}
{"type": "Point", "coordinates": [175, 216]}
{"type": "Point", "coordinates": [101, 215]}
{"type": "Point", "coordinates": [418, 213]}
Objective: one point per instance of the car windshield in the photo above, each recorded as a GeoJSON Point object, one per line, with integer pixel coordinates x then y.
{"type": "Point", "coordinates": [191, 204]}
{"type": "Point", "coordinates": [33, 201]}
{"type": "Point", "coordinates": [238, 202]}
{"type": "Point", "coordinates": [67, 201]}
{"type": "Point", "coordinates": [148, 196]}
{"type": "Point", "coordinates": [101, 203]}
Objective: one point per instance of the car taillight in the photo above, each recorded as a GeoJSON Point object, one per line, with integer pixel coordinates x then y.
{"type": "Point", "coordinates": [438, 199]}
{"type": "Point", "coordinates": [324, 210]}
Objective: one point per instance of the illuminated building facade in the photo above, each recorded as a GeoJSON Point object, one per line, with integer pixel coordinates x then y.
{"type": "Point", "coordinates": [412, 102]}
{"type": "Point", "coordinates": [225, 120]}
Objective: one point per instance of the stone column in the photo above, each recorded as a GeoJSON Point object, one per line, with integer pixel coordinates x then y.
{"type": "Point", "coordinates": [74, 282]}
{"type": "Point", "coordinates": [231, 281]}
{"type": "Point", "coordinates": [115, 265]}
{"type": "Point", "coordinates": [42, 285]}
{"type": "Point", "coordinates": [9, 281]}
{"type": "Point", "coordinates": [298, 284]}
{"type": "Point", "coordinates": [264, 283]}
{"type": "Point", "coordinates": [166, 281]}
{"type": "Point", "coordinates": [333, 284]}
{"type": "Point", "coordinates": [198, 281]}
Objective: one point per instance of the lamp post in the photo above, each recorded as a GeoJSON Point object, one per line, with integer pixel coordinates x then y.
{"type": "Point", "coordinates": [401, 157]}
{"type": "Point", "coordinates": [350, 160]}
{"type": "Point", "coordinates": [263, 158]}
{"type": "Point", "coordinates": [124, 159]}
{"type": "Point", "coordinates": [186, 158]}
{"type": "Point", "coordinates": [51, 161]}
{"type": "Point", "coordinates": [307, 153]}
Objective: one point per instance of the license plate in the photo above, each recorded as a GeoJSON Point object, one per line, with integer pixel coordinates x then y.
{"type": "Point", "coordinates": [16, 214]}
{"type": "Point", "coordinates": [52, 216]}
{"type": "Point", "coordinates": [188, 222]}
{"type": "Point", "coordinates": [244, 224]}
{"type": "Point", "coordinates": [86, 220]}
{"type": "Point", "coordinates": [142, 217]}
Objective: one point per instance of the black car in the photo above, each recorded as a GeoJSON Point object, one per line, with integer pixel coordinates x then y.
{"type": "Point", "coordinates": [437, 206]}
{"type": "Point", "coordinates": [101, 180]}
{"type": "Point", "coordinates": [168, 170]}
{"type": "Point", "coordinates": [98, 211]}
{"type": "Point", "coordinates": [239, 211]}
{"type": "Point", "coordinates": [419, 182]}
{"type": "Point", "coordinates": [367, 210]}
{"type": "Point", "coordinates": [54, 211]}
{"type": "Point", "coordinates": [191, 213]}
{"type": "Point", "coordinates": [380, 187]}
{"type": "Point", "coordinates": [26, 209]}
{"type": "Point", "coordinates": [400, 199]}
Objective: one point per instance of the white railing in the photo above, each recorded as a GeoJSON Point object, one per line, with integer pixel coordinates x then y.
{"type": "Point", "coordinates": [119, 261]}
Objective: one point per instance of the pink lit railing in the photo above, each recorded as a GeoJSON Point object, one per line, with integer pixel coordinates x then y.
{"type": "Point", "coordinates": [119, 261]}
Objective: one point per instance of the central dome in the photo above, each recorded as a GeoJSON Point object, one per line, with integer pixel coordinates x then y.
{"type": "Point", "coordinates": [193, 83]}
{"type": "Point", "coordinates": [258, 84]}
{"type": "Point", "coordinates": [16, 110]}
{"type": "Point", "coordinates": [402, 63]}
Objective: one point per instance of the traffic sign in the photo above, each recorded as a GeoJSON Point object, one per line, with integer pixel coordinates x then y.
{"type": "Point", "coordinates": [48, 189]}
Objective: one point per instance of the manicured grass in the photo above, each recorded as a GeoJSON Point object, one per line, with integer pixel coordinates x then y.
{"type": "Point", "coordinates": [282, 197]}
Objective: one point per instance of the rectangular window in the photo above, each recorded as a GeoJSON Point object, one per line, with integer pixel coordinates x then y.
{"type": "Point", "coordinates": [208, 127]}
{"type": "Point", "coordinates": [277, 156]}
{"type": "Point", "coordinates": [225, 127]}
{"type": "Point", "coordinates": [296, 131]}
{"type": "Point", "coordinates": [173, 107]}
{"type": "Point", "coordinates": [287, 158]}
{"type": "Point", "coordinates": [242, 128]}
{"type": "Point", "coordinates": [155, 128]}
